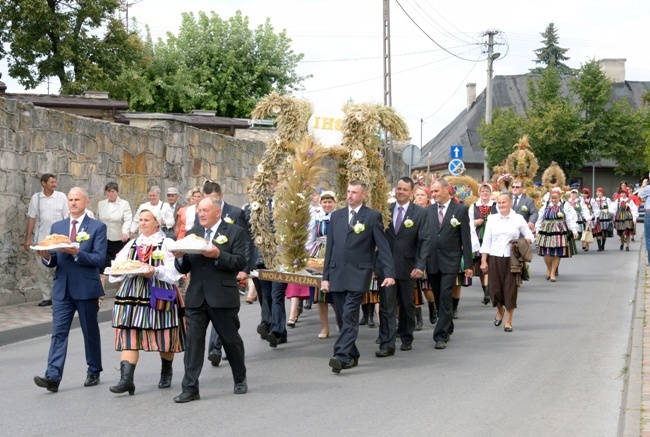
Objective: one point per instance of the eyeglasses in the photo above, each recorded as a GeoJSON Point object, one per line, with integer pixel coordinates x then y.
{"type": "Point", "coordinates": [516, 186]}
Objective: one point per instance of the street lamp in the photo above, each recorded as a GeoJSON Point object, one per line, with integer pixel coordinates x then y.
{"type": "Point", "coordinates": [488, 101]}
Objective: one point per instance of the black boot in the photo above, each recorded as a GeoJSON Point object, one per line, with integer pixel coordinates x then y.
{"type": "Point", "coordinates": [604, 239]}
{"type": "Point", "coordinates": [371, 315]}
{"type": "Point", "coordinates": [126, 379]}
{"type": "Point", "coordinates": [486, 295]}
{"type": "Point", "coordinates": [418, 319]}
{"type": "Point", "coordinates": [600, 244]}
{"type": "Point", "coordinates": [433, 313]}
{"type": "Point", "coordinates": [165, 373]}
{"type": "Point", "coordinates": [364, 317]}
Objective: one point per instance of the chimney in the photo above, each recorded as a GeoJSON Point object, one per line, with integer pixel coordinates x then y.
{"type": "Point", "coordinates": [614, 69]}
{"type": "Point", "coordinates": [471, 95]}
{"type": "Point", "coordinates": [3, 87]}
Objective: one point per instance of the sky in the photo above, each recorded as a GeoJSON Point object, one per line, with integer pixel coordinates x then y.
{"type": "Point", "coordinates": [436, 46]}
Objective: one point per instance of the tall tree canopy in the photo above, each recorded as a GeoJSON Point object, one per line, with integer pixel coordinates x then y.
{"type": "Point", "coordinates": [220, 65]}
{"type": "Point", "coordinates": [61, 38]}
{"type": "Point", "coordinates": [551, 54]}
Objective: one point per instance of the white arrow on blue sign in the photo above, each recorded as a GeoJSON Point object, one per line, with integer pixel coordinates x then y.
{"type": "Point", "coordinates": [456, 167]}
{"type": "Point", "coordinates": [456, 151]}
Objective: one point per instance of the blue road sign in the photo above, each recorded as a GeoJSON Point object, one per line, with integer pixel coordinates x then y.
{"type": "Point", "coordinates": [456, 151]}
{"type": "Point", "coordinates": [456, 167]}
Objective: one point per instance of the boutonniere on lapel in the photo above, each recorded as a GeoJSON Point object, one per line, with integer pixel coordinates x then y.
{"type": "Point", "coordinates": [560, 215]}
{"type": "Point", "coordinates": [221, 239]}
{"type": "Point", "coordinates": [82, 236]}
{"type": "Point", "coordinates": [158, 254]}
{"type": "Point", "coordinates": [454, 221]}
{"type": "Point", "coordinates": [408, 223]}
{"type": "Point", "coordinates": [359, 228]}
{"type": "Point", "coordinates": [524, 209]}
{"type": "Point", "coordinates": [228, 220]}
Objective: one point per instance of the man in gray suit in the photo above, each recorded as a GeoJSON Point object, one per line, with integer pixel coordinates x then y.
{"type": "Point", "coordinates": [449, 239]}
{"type": "Point", "coordinates": [522, 204]}
{"type": "Point", "coordinates": [354, 234]}
{"type": "Point", "coordinates": [408, 238]}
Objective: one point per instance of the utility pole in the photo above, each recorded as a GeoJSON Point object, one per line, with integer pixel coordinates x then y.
{"type": "Point", "coordinates": [388, 99]}
{"type": "Point", "coordinates": [491, 56]}
{"type": "Point", "coordinates": [126, 5]}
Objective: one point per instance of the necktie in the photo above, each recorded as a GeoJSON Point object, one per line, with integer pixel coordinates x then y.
{"type": "Point", "coordinates": [208, 232]}
{"type": "Point", "coordinates": [441, 213]}
{"type": "Point", "coordinates": [516, 203]}
{"type": "Point", "coordinates": [400, 217]}
{"type": "Point", "coordinates": [353, 214]}
{"type": "Point", "coordinates": [73, 231]}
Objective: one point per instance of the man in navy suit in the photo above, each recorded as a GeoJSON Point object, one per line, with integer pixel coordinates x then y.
{"type": "Point", "coordinates": [408, 238]}
{"type": "Point", "coordinates": [77, 287]}
{"type": "Point", "coordinates": [353, 235]}
{"type": "Point", "coordinates": [449, 239]}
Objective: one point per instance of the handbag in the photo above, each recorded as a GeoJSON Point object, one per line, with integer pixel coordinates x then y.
{"type": "Point", "coordinates": [161, 298]}
{"type": "Point", "coordinates": [587, 236]}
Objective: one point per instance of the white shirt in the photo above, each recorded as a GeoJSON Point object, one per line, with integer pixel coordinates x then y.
{"type": "Point", "coordinates": [396, 212]}
{"type": "Point", "coordinates": [77, 226]}
{"type": "Point", "coordinates": [214, 228]}
{"type": "Point", "coordinates": [446, 207]}
{"type": "Point", "coordinates": [356, 211]}
{"type": "Point", "coordinates": [501, 230]}
{"type": "Point", "coordinates": [46, 211]}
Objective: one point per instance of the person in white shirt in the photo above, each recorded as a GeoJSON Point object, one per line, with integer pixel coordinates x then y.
{"type": "Point", "coordinates": [45, 208]}
{"type": "Point", "coordinates": [167, 215]}
{"type": "Point", "coordinates": [116, 214]}
{"type": "Point", "coordinates": [501, 229]}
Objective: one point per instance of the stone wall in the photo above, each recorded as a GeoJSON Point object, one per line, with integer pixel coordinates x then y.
{"type": "Point", "coordinates": [89, 153]}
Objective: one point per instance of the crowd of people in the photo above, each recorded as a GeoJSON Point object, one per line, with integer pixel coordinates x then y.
{"type": "Point", "coordinates": [433, 246]}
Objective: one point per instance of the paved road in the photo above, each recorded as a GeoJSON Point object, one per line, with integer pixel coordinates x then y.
{"type": "Point", "coordinates": [559, 373]}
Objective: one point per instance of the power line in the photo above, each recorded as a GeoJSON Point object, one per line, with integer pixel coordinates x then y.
{"type": "Point", "coordinates": [454, 93]}
{"type": "Point", "coordinates": [428, 36]}
{"type": "Point", "coordinates": [435, 24]}
{"type": "Point", "coordinates": [377, 57]}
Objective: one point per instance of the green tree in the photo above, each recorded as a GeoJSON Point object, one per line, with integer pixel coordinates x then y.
{"type": "Point", "coordinates": [61, 38]}
{"type": "Point", "coordinates": [220, 65]}
{"type": "Point", "coordinates": [551, 54]}
{"type": "Point", "coordinates": [500, 137]}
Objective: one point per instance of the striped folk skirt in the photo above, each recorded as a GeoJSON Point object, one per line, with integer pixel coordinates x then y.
{"type": "Point", "coordinates": [141, 327]}
{"type": "Point", "coordinates": [555, 239]}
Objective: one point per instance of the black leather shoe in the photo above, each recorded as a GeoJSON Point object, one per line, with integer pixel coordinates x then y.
{"type": "Point", "coordinates": [262, 331]}
{"type": "Point", "coordinates": [441, 345]}
{"type": "Point", "coordinates": [91, 380]}
{"type": "Point", "coordinates": [405, 347]}
{"type": "Point", "coordinates": [337, 365]}
{"type": "Point", "coordinates": [274, 340]}
{"type": "Point", "coordinates": [497, 322]}
{"type": "Point", "coordinates": [508, 328]}
{"type": "Point", "coordinates": [241, 388]}
{"type": "Point", "coordinates": [214, 359]}
{"type": "Point", "coordinates": [354, 361]}
{"type": "Point", "coordinates": [383, 353]}
{"type": "Point", "coordinates": [186, 397]}
{"type": "Point", "coordinates": [47, 382]}
{"type": "Point", "coordinates": [45, 303]}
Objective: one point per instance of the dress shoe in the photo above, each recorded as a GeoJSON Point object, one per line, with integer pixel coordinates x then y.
{"type": "Point", "coordinates": [378, 340]}
{"type": "Point", "coordinates": [274, 340]}
{"type": "Point", "coordinates": [324, 335]}
{"type": "Point", "coordinates": [497, 322]}
{"type": "Point", "coordinates": [45, 303]}
{"type": "Point", "coordinates": [337, 365]}
{"type": "Point", "coordinates": [262, 331]}
{"type": "Point", "coordinates": [47, 382]}
{"type": "Point", "coordinates": [621, 247]}
{"type": "Point", "coordinates": [441, 344]}
{"type": "Point", "coordinates": [383, 353]}
{"type": "Point", "coordinates": [307, 305]}
{"type": "Point", "coordinates": [91, 380]}
{"type": "Point", "coordinates": [454, 314]}
{"type": "Point", "coordinates": [214, 359]}
{"type": "Point", "coordinates": [241, 388]}
{"type": "Point", "coordinates": [508, 328]}
{"type": "Point", "coordinates": [354, 361]}
{"type": "Point", "coordinates": [291, 323]}
{"type": "Point", "coordinates": [186, 397]}
{"type": "Point", "coordinates": [405, 347]}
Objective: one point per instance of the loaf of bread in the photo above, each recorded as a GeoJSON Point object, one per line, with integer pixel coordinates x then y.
{"type": "Point", "coordinates": [127, 265]}
{"type": "Point", "coordinates": [54, 239]}
{"type": "Point", "coordinates": [316, 263]}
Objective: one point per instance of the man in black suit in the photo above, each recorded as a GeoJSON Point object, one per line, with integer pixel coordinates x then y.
{"type": "Point", "coordinates": [408, 238]}
{"type": "Point", "coordinates": [522, 204]}
{"type": "Point", "coordinates": [353, 235]}
{"type": "Point", "coordinates": [212, 296]}
{"type": "Point", "coordinates": [231, 215]}
{"type": "Point", "coordinates": [450, 239]}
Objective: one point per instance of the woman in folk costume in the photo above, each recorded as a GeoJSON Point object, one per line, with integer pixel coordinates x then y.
{"type": "Point", "coordinates": [604, 210]}
{"type": "Point", "coordinates": [584, 218]}
{"type": "Point", "coordinates": [625, 218]}
{"type": "Point", "coordinates": [421, 197]}
{"type": "Point", "coordinates": [316, 247]}
{"type": "Point", "coordinates": [586, 200]}
{"type": "Point", "coordinates": [148, 307]}
{"type": "Point", "coordinates": [478, 214]}
{"type": "Point", "coordinates": [557, 231]}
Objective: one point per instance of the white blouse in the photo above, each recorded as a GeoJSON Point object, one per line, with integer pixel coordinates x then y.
{"type": "Point", "coordinates": [165, 272]}
{"type": "Point", "coordinates": [501, 230]}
